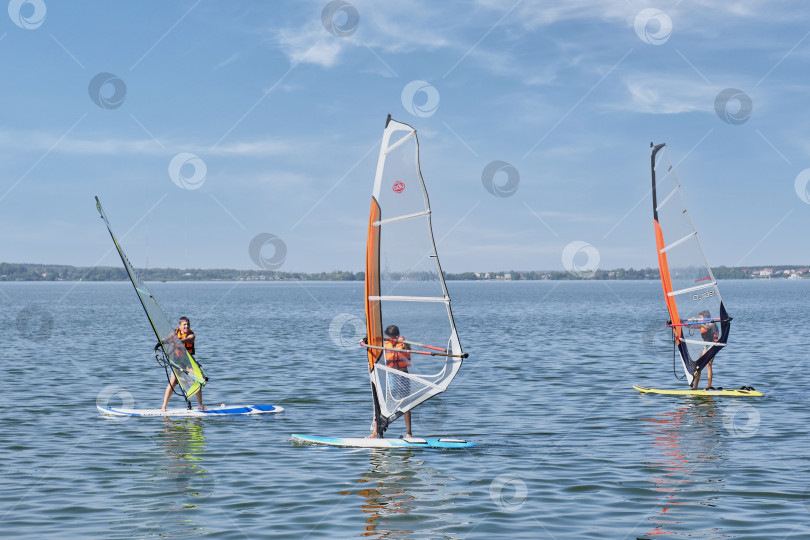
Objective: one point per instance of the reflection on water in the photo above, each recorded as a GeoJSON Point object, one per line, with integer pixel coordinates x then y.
{"type": "Point", "coordinates": [186, 483]}
{"type": "Point", "coordinates": [403, 497]}
{"type": "Point", "coordinates": [689, 441]}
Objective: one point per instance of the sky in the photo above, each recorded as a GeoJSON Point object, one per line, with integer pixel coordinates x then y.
{"type": "Point", "coordinates": [213, 132]}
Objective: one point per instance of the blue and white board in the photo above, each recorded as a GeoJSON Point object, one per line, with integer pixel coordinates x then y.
{"type": "Point", "coordinates": [360, 442]}
{"type": "Point", "coordinates": [222, 411]}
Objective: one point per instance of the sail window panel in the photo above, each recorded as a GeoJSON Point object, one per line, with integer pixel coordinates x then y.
{"type": "Point", "coordinates": [693, 285]}
{"type": "Point", "coordinates": [425, 323]}
{"type": "Point", "coordinates": [408, 264]}
{"type": "Point", "coordinates": [400, 391]}
{"type": "Point", "coordinates": [674, 221]}
{"type": "Point", "coordinates": [697, 347]}
{"type": "Point", "coordinates": [420, 322]}
{"type": "Point", "coordinates": [691, 305]}
{"type": "Point", "coordinates": [687, 266]}
{"type": "Point", "coordinates": [665, 182]}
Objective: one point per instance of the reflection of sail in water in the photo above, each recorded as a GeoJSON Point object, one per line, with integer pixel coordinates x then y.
{"type": "Point", "coordinates": [401, 497]}
{"type": "Point", "coordinates": [689, 440]}
{"type": "Point", "coordinates": [187, 484]}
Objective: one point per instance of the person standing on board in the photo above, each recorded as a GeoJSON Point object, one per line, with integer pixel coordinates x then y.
{"type": "Point", "coordinates": [186, 337]}
{"type": "Point", "coordinates": [396, 357]}
{"type": "Point", "coordinates": [710, 333]}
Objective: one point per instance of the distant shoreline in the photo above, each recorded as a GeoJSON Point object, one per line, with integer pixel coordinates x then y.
{"type": "Point", "coordinates": [51, 272]}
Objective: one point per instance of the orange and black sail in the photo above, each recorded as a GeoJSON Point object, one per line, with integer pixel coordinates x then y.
{"type": "Point", "coordinates": [699, 321]}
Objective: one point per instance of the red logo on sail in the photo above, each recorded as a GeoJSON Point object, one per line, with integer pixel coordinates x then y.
{"type": "Point", "coordinates": [399, 187]}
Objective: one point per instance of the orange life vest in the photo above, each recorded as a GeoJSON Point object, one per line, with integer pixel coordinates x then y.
{"type": "Point", "coordinates": [710, 333]}
{"type": "Point", "coordinates": [189, 344]}
{"type": "Point", "coordinates": [395, 359]}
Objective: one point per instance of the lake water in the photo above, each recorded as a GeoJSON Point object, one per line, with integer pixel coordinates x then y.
{"type": "Point", "coordinates": [566, 447]}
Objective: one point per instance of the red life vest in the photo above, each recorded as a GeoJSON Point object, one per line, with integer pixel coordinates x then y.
{"type": "Point", "coordinates": [189, 344]}
{"type": "Point", "coordinates": [395, 359]}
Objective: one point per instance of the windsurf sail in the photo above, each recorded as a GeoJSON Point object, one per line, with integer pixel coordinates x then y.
{"type": "Point", "coordinates": [190, 376]}
{"type": "Point", "coordinates": [404, 285]}
{"type": "Point", "coordinates": [699, 321]}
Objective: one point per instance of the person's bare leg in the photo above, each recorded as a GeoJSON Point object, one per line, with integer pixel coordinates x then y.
{"type": "Point", "coordinates": [696, 380]}
{"type": "Point", "coordinates": [407, 416]}
{"type": "Point", "coordinates": [709, 374]}
{"type": "Point", "coordinates": [373, 431]}
{"type": "Point", "coordinates": [168, 394]}
{"type": "Point", "coordinates": [199, 401]}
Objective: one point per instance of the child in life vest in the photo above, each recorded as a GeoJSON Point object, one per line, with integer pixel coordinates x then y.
{"type": "Point", "coordinates": [397, 356]}
{"type": "Point", "coordinates": [186, 337]}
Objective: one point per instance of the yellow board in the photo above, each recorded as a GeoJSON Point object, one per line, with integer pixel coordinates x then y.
{"type": "Point", "coordinates": [738, 393]}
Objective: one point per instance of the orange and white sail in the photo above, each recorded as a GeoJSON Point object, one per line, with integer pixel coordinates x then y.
{"type": "Point", "coordinates": [404, 285]}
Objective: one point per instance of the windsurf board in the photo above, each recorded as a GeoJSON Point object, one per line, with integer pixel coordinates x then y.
{"type": "Point", "coordinates": [737, 393]}
{"type": "Point", "coordinates": [222, 411]}
{"type": "Point", "coordinates": [359, 442]}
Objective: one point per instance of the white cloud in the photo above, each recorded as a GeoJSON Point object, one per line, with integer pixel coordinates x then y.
{"type": "Point", "coordinates": [399, 27]}
{"type": "Point", "coordinates": [38, 142]}
{"type": "Point", "coordinates": [666, 95]}
{"type": "Point", "coordinates": [311, 44]}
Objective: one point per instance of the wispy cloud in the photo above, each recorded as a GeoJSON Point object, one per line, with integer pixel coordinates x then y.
{"type": "Point", "coordinates": [665, 95]}
{"type": "Point", "coordinates": [37, 141]}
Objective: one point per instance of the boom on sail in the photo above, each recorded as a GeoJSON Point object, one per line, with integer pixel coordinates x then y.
{"type": "Point", "coordinates": [190, 375]}
{"type": "Point", "coordinates": [404, 284]}
{"type": "Point", "coordinates": [690, 289]}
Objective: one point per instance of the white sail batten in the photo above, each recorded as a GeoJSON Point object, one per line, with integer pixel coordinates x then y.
{"type": "Point", "coordinates": [693, 289]}
{"type": "Point", "coordinates": [411, 298]}
{"type": "Point", "coordinates": [400, 218]}
{"type": "Point", "coordinates": [667, 198]}
{"type": "Point", "coordinates": [703, 343]}
{"type": "Point", "coordinates": [679, 242]}
{"type": "Point", "coordinates": [403, 140]}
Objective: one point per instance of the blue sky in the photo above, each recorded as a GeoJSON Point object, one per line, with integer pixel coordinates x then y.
{"type": "Point", "coordinates": [277, 115]}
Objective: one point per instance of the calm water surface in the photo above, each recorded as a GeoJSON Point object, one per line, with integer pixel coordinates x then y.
{"type": "Point", "coordinates": [566, 448]}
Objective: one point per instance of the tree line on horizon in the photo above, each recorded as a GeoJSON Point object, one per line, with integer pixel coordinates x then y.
{"type": "Point", "coordinates": [50, 272]}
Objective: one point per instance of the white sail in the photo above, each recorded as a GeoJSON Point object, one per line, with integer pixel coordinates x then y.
{"type": "Point", "coordinates": [404, 284]}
